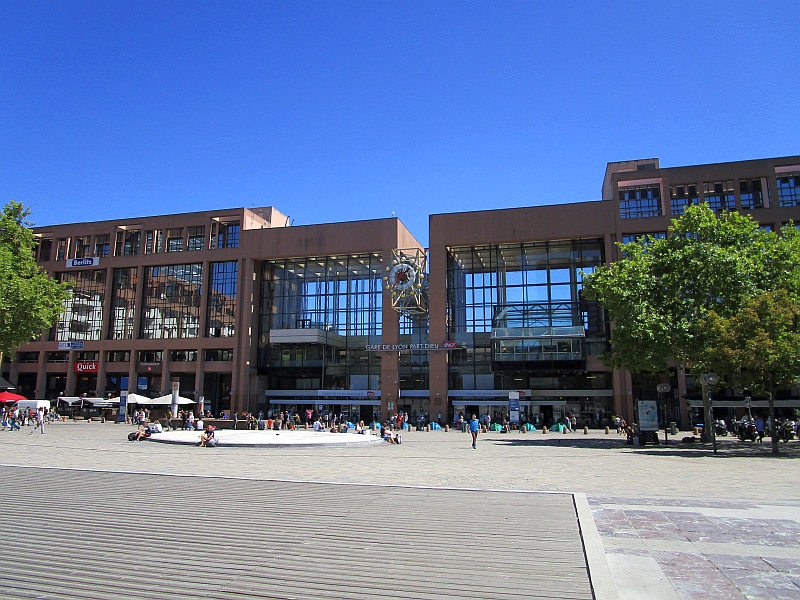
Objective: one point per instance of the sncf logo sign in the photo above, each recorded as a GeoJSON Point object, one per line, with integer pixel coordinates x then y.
{"type": "Point", "coordinates": [86, 366]}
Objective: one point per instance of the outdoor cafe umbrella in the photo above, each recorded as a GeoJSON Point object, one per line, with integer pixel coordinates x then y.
{"type": "Point", "coordinates": [10, 397]}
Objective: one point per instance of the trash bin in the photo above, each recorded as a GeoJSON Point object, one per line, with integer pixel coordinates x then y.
{"type": "Point", "coordinates": [673, 428]}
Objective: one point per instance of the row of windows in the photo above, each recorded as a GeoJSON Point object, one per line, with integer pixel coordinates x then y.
{"type": "Point", "coordinates": [124, 356]}
{"type": "Point", "coordinates": [645, 200]}
{"type": "Point", "coordinates": [131, 242]}
{"type": "Point", "coordinates": [169, 303]}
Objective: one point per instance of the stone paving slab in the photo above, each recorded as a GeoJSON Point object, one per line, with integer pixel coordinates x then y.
{"type": "Point", "coordinates": [732, 551]}
{"type": "Point", "coordinates": [691, 512]}
{"type": "Point", "coordinates": [138, 536]}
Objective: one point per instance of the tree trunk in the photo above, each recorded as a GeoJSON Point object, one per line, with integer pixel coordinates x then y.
{"type": "Point", "coordinates": [708, 418]}
{"type": "Point", "coordinates": [773, 427]}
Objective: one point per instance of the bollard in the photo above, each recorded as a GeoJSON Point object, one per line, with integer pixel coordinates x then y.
{"type": "Point", "coordinates": [696, 431]}
{"type": "Point", "coordinates": [544, 429]}
{"type": "Point", "coordinates": [427, 427]}
{"type": "Point", "coordinates": [607, 430]}
{"type": "Point", "coordinates": [446, 428]}
{"type": "Point", "coordinates": [522, 429]}
{"type": "Point", "coordinates": [585, 430]}
{"type": "Point", "coordinates": [565, 430]}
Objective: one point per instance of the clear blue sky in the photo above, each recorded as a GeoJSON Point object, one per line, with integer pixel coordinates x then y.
{"type": "Point", "coordinates": [337, 111]}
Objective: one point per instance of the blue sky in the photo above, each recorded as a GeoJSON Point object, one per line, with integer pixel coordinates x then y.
{"type": "Point", "coordinates": [336, 111]}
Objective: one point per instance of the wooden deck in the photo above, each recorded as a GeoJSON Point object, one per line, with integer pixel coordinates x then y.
{"type": "Point", "coordinates": [104, 535]}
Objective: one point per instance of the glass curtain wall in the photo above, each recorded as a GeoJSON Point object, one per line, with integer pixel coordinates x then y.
{"type": "Point", "coordinates": [341, 298]}
{"type": "Point", "coordinates": [222, 299]}
{"type": "Point", "coordinates": [172, 302]}
{"type": "Point", "coordinates": [518, 307]}
{"type": "Point", "coordinates": [82, 318]}
{"type": "Point", "coordinates": [123, 304]}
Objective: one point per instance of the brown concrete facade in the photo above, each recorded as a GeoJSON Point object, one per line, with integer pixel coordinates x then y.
{"type": "Point", "coordinates": [265, 236]}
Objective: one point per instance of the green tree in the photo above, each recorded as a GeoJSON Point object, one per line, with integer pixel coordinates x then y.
{"type": "Point", "coordinates": [30, 301]}
{"type": "Point", "coordinates": [758, 348]}
{"type": "Point", "coordinates": [660, 292]}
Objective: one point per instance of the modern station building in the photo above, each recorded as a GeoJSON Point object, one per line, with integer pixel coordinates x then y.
{"type": "Point", "coordinates": [248, 313]}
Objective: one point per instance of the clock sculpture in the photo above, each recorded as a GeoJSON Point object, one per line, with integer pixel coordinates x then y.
{"type": "Point", "coordinates": [404, 280]}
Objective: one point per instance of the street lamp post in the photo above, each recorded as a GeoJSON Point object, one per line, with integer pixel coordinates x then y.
{"type": "Point", "coordinates": [663, 388]}
{"type": "Point", "coordinates": [706, 381]}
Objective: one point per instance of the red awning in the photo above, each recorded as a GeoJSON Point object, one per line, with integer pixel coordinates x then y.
{"type": "Point", "coordinates": [10, 397]}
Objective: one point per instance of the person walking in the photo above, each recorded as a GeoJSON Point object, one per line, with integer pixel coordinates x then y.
{"type": "Point", "coordinates": [39, 421]}
{"type": "Point", "coordinates": [474, 428]}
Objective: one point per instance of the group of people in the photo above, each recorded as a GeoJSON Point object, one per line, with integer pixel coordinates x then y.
{"type": "Point", "coordinates": [14, 419]}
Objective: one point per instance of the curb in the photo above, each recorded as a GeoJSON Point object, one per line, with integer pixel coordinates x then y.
{"type": "Point", "coordinates": [603, 585]}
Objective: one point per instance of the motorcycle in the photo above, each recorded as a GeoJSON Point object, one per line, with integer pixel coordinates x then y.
{"type": "Point", "coordinates": [786, 430]}
{"type": "Point", "coordinates": [747, 431]}
{"type": "Point", "coordinates": [720, 429]}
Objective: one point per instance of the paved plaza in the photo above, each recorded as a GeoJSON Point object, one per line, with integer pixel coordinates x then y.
{"type": "Point", "coordinates": [429, 518]}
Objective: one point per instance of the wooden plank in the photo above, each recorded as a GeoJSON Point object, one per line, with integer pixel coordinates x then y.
{"type": "Point", "coordinates": [283, 540]}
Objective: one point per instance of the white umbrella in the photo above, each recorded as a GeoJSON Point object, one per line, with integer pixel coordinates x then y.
{"type": "Point", "coordinates": [137, 399]}
{"type": "Point", "coordinates": [167, 400]}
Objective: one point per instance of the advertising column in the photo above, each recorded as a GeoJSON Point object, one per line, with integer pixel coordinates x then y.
{"type": "Point", "coordinates": [123, 407]}
{"type": "Point", "coordinates": [175, 389]}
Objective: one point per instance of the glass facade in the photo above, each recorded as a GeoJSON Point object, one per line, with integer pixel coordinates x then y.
{"type": "Point", "coordinates": [639, 201]}
{"type": "Point", "coordinates": [516, 309]}
{"type": "Point", "coordinates": [123, 304]}
{"type": "Point", "coordinates": [82, 318]}
{"type": "Point", "coordinates": [171, 303]}
{"type": "Point", "coordinates": [789, 189]}
{"type": "Point", "coordinates": [340, 297]}
{"type": "Point", "coordinates": [222, 299]}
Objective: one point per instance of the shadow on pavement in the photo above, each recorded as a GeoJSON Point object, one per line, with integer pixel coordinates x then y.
{"type": "Point", "coordinates": [725, 449]}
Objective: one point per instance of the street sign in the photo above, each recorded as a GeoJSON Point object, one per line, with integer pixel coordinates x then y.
{"type": "Point", "coordinates": [513, 407]}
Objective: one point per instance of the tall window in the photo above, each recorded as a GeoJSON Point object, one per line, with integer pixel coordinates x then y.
{"type": "Point", "coordinates": [640, 201]}
{"type": "Point", "coordinates": [83, 310]}
{"type": "Point", "coordinates": [82, 247]}
{"type": "Point", "coordinates": [681, 196]}
{"type": "Point", "coordinates": [123, 304]}
{"type": "Point", "coordinates": [750, 194]}
{"type": "Point", "coordinates": [152, 244]}
{"type": "Point", "coordinates": [172, 302]}
{"type": "Point", "coordinates": [197, 238]}
{"type": "Point", "coordinates": [127, 242]}
{"type": "Point", "coordinates": [45, 249]}
{"type": "Point", "coordinates": [789, 189]}
{"type": "Point", "coordinates": [225, 234]}
{"type": "Point", "coordinates": [719, 195]}
{"type": "Point", "coordinates": [222, 299]}
{"type": "Point", "coordinates": [62, 245]}
{"type": "Point", "coordinates": [101, 245]}
{"type": "Point", "coordinates": [175, 239]}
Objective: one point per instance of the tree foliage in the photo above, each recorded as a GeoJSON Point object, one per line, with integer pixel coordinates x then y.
{"type": "Point", "coordinates": [30, 301]}
{"type": "Point", "coordinates": [659, 294]}
{"type": "Point", "coordinates": [758, 348]}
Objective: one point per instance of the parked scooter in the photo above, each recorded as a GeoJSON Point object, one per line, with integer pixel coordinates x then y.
{"type": "Point", "coordinates": [720, 429]}
{"type": "Point", "coordinates": [747, 430]}
{"type": "Point", "coordinates": [787, 430]}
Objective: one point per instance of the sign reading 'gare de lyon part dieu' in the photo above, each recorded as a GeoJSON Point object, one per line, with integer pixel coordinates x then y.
{"type": "Point", "coordinates": [447, 345]}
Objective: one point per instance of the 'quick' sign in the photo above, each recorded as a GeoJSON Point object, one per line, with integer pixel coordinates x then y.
{"type": "Point", "coordinates": [83, 262]}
